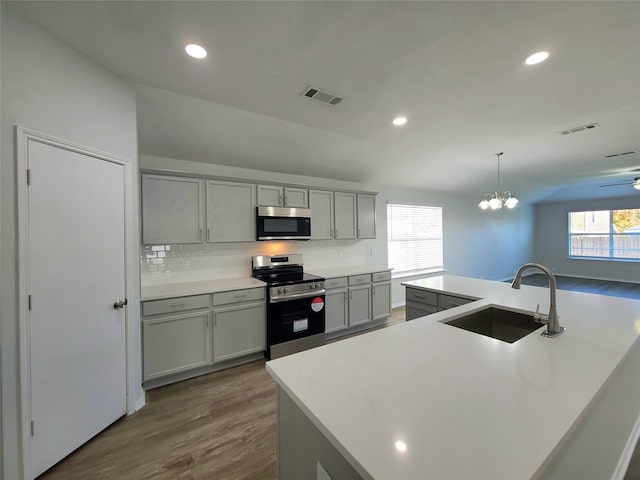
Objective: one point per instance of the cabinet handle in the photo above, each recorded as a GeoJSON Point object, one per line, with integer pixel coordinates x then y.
{"type": "Point", "coordinates": [208, 234]}
{"type": "Point", "coordinates": [350, 295]}
{"type": "Point", "coordinates": [418, 296]}
{"type": "Point", "coordinates": [285, 201]}
{"type": "Point", "coordinates": [178, 304]}
{"type": "Point", "coordinates": [243, 295]}
{"type": "Point", "coordinates": [200, 235]}
{"type": "Point", "coordinates": [280, 199]}
{"type": "Point", "coordinates": [358, 233]}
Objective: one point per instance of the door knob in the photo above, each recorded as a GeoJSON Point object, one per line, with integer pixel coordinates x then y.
{"type": "Point", "coordinates": [120, 304]}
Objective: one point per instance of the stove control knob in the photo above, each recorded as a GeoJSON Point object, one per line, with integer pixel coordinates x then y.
{"type": "Point", "coordinates": [285, 290]}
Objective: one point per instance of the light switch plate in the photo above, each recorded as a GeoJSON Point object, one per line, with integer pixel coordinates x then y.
{"type": "Point", "coordinates": [322, 474]}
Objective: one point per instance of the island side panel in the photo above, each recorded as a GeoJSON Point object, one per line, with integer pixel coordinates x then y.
{"type": "Point", "coordinates": [301, 446]}
{"type": "Point", "coordinates": [594, 448]}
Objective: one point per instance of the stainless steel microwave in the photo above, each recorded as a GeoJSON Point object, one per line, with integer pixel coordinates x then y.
{"type": "Point", "coordinates": [278, 223]}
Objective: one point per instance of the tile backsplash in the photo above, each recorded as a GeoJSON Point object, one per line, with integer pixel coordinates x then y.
{"type": "Point", "coordinates": [195, 262]}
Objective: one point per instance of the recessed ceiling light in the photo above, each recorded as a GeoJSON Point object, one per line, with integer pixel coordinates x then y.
{"type": "Point", "coordinates": [537, 57]}
{"type": "Point", "coordinates": [196, 51]}
{"type": "Point", "coordinates": [399, 121]}
{"type": "Point", "coordinates": [401, 446]}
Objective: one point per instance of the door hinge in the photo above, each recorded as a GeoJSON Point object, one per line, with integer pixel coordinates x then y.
{"type": "Point", "coordinates": [33, 427]}
{"type": "Point", "coordinates": [29, 301]}
{"type": "Point", "coordinates": [29, 179]}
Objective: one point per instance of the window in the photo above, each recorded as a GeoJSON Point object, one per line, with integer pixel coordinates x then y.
{"type": "Point", "coordinates": [414, 238]}
{"type": "Point", "coordinates": [613, 234]}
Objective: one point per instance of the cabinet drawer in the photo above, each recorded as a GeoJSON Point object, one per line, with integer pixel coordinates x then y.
{"type": "Point", "coordinates": [171, 305]}
{"type": "Point", "coordinates": [360, 279]}
{"type": "Point", "coordinates": [422, 296]}
{"type": "Point", "coordinates": [335, 283]}
{"type": "Point", "coordinates": [449, 301]}
{"type": "Point", "coordinates": [236, 296]}
{"type": "Point", "coordinates": [381, 276]}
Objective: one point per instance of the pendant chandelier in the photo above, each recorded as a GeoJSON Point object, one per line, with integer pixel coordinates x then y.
{"type": "Point", "coordinates": [498, 199]}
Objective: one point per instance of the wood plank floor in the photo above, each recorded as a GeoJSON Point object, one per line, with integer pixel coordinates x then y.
{"type": "Point", "coordinates": [216, 427]}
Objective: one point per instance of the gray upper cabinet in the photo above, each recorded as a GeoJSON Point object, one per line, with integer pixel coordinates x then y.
{"type": "Point", "coordinates": [172, 209]}
{"type": "Point", "coordinates": [366, 216]}
{"type": "Point", "coordinates": [230, 212]}
{"type": "Point", "coordinates": [274, 196]}
{"type": "Point", "coordinates": [321, 205]}
{"type": "Point", "coordinates": [345, 215]}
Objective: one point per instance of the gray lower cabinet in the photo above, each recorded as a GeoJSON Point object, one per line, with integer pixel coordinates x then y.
{"type": "Point", "coordinates": [381, 300]}
{"type": "Point", "coordinates": [187, 336]}
{"type": "Point", "coordinates": [354, 302]}
{"type": "Point", "coordinates": [238, 330]}
{"type": "Point", "coordinates": [360, 305]}
{"type": "Point", "coordinates": [336, 302]}
{"type": "Point", "coordinates": [176, 335]}
{"type": "Point", "coordinates": [421, 302]}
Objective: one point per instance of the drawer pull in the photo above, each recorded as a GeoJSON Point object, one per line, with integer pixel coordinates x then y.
{"type": "Point", "coordinates": [419, 296]}
{"type": "Point", "coordinates": [179, 304]}
{"type": "Point", "coordinates": [243, 295]}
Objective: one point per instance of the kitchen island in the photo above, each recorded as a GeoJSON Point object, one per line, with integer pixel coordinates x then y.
{"type": "Point", "coordinates": [427, 400]}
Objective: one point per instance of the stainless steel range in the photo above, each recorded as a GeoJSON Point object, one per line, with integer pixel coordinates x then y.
{"type": "Point", "coordinates": [295, 304]}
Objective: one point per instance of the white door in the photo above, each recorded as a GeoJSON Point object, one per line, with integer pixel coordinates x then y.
{"type": "Point", "coordinates": [75, 275]}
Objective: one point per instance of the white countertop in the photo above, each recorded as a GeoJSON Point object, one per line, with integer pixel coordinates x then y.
{"type": "Point", "coordinates": [466, 405]}
{"type": "Point", "coordinates": [182, 289]}
{"type": "Point", "coordinates": [346, 271]}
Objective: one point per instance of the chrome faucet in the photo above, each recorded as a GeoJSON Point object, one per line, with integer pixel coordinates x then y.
{"type": "Point", "coordinates": [553, 326]}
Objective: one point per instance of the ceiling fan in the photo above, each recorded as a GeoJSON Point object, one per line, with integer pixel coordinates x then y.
{"type": "Point", "coordinates": [635, 182]}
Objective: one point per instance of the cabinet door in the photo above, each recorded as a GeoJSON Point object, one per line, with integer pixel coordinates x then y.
{"type": "Point", "coordinates": [172, 209]}
{"type": "Point", "coordinates": [417, 310]}
{"type": "Point", "coordinates": [296, 197]}
{"type": "Point", "coordinates": [175, 343]}
{"type": "Point", "coordinates": [366, 216]}
{"type": "Point", "coordinates": [336, 312]}
{"type": "Point", "coordinates": [359, 305]}
{"type": "Point", "coordinates": [345, 215]}
{"type": "Point", "coordinates": [231, 212]}
{"type": "Point", "coordinates": [239, 330]}
{"type": "Point", "coordinates": [381, 300]}
{"type": "Point", "coordinates": [270, 196]}
{"type": "Point", "coordinates": [321, 205]}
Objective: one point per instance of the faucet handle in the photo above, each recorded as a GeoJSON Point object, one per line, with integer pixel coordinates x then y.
{"type": "Point", "coordinates": [540, 317]}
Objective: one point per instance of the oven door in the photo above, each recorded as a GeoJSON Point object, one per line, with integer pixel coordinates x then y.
{"type": "Point", "coordinates": [296, 318]}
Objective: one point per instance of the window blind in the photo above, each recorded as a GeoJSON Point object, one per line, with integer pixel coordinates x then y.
{"type": "Point", "coordinates": [414, 238]}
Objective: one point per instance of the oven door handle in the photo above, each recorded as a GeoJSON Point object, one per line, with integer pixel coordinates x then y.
{"type": "Point", "coordinates": [295, 296]}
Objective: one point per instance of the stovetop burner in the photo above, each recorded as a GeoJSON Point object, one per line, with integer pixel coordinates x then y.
{"type": "Point", "coordinates": [281, 270]}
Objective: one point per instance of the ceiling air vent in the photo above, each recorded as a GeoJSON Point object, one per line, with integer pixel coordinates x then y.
{"type": "Point", "coordinates": [621, 154]}
{"type": "Point", "coordinates": [581, 128]}
{"type": "Point", "coordinates": [321, 95]}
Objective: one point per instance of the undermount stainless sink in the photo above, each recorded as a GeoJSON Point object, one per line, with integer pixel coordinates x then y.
{"type": "Point", "coordinates": [497, 323]}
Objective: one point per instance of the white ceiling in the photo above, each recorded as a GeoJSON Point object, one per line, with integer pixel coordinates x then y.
{"type": "Point", "coordinates": [455, 69]}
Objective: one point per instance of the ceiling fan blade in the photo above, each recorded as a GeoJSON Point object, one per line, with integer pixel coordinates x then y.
{"type": "Point", "coordinates": [617, 184]}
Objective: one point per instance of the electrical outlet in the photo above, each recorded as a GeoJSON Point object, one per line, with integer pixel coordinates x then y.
{"type": "Point", "coordinates": [374, 252]}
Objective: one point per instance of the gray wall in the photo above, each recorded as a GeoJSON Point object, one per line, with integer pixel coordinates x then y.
{"type": "Point", "coordinates": [551, 240]}
{"type": "Point", "coordinates": [476, 243]}
{"type": "Point", "coordinates": [51, 89]}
